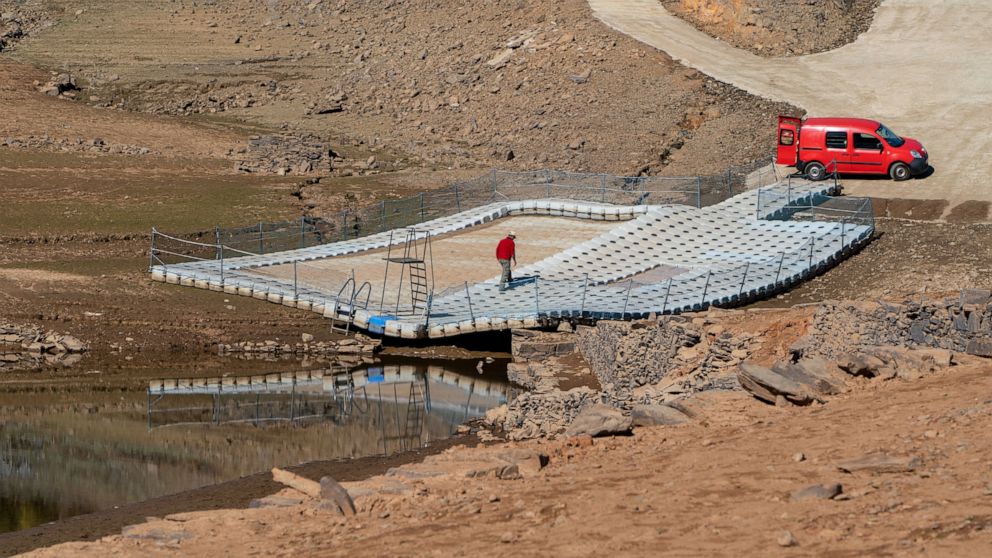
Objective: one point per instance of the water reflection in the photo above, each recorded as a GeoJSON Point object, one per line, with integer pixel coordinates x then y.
{"type": "Point", "coordinates": [185, 433]}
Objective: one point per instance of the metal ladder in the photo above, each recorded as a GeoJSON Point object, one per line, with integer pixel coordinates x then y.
{"type": "Point", "coordinates": [416, 256]}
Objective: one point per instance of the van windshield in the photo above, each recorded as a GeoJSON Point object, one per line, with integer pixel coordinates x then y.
{"type": "Point", "coordinates": [889, 136]}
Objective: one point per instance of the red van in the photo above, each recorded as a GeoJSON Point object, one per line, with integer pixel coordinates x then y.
{"type": "Point", "coordinates": [818, 146]}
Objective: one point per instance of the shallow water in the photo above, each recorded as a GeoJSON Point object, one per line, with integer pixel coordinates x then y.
{"type": "Point", "coordinates": [90, 444]}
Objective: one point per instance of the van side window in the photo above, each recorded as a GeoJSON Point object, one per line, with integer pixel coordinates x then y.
{"type": "Point", "coordinates": [837, 140]}
{"type": "Point", "coordinates": [788, 137]}
{"type": "Point", "coordinates": [867, 141]}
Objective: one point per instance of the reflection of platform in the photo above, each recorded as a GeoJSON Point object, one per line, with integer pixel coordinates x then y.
{"type": "Point", "coordinates": [335, 394]}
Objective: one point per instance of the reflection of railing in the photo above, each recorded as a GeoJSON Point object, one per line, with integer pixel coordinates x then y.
{"type": "Point", "coordinates": [405, 392]}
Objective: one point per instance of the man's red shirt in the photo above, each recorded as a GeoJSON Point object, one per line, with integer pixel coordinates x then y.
{"type": "Point", "coordinates": [506, 249]}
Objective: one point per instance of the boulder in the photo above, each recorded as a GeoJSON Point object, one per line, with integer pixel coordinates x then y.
{"type": "Point", "coordinates": [658, 415]}
{"type": "Point", "coordinates": [881, 463]}
{"type": "Point", "coordinates": [768, 385]}
{"type": "Point", "coordinates": [817, 492]}
{"type": "Point", "coordinates": [861, 365]}
{"type": "Point", "coordinates": [980, 347]}
{"type": "Point", "coordinates": [600, 420]}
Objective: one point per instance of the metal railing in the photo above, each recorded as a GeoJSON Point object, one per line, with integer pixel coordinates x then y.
{"type": "Point", "coordinates": [494, 186]}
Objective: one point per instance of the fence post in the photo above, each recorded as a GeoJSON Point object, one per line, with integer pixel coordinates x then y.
{"type": "Point", "coordinates": [537, 296]}
{"type": "Point", "coordinates": [602, 187]}
{"type": "Point", "coordinates": [843, 221]}
{"type": "Point", "coordinates": [261, 239]}
{"type": "Point", "coordinates": [217, 235]}
{"type": "Point", "coordinates": [630, 285]}
{"type": "Point", "coordinates": [344, 224]}
{"type": "Point", "coordinates": [458, 201]}
{"type": "Point", "coordinates": [664, 304]}
{"type": "Point", "coordinates": [220, 248]}
{"type": "Point", "coordinates": [811, 240]}
{"type": "Point", "coordinates": [706, 288]}
{"type": "Point", "coordinates": [779, 272]}
{"type": "Point", "coordinates": [303, 231]}
{"type": "Point", "coordinates": [468, 295]}
{"type": "Point", "coordinates": [790, 192]}
{"type": "Point", "coordinates": [427, 314]}
{"type": "Point", "coordinates": [494, 183]}
{"type": "Point", "coordinates": [744, 280]}
{"type": "Point", "coordinates": [421, 207]}
{"type": "Point", "coordinates": [296, 289]}
{"type": "Point", "coordinates": [699, 193]}
{"type": "Point", "coordinates": [585, 287]}
{"type": "Point", "coordinates": [382, 219]}
{"type": "Point", "coordinates": [151, 253]}
{"type": "Point", "coordinates": [730, 184]}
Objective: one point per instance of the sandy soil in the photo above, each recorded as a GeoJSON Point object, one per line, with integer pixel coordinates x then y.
{"type": "Point", "coordinates": [721, 486]}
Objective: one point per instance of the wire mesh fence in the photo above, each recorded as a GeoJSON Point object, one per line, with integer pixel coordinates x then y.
{"type": "Point", "coordinates": [494, 186]}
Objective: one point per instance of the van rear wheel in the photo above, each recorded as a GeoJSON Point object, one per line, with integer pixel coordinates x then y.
{"type": "Point", "coordinates": [899, 171]}
{"type": "Point", "coordinates": [815, 171]}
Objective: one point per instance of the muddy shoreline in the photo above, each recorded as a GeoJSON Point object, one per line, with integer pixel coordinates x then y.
{"type": "Point", "coordinates": [237, 493]}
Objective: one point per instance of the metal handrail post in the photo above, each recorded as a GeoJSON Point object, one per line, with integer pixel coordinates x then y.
{"type": "Point", "coordinates": [744, 279]}
{"type": "Point", "coordinates": [664, 305]}
{"type": "Point", "coordinates": [630, 285]}
{"type": "Point", "coordinates": [537, 297]}
{"type": "Point", "coordinates": [585, 287]}
{"type": "Point", "coordinates": [706, 288]}
{"type": "Point", "coordinates": [468, 295]}
{"type": "Point", "coordinates": [217, 235]}
{"type": "Point", "coordinates": [427, 310]}
{"type": "Point", "coordinates": [151, 253]}
{"type": "Point", "coordinates": [220, 248]}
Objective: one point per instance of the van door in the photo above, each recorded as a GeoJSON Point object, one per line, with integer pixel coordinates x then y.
{"type": "Point", "coordinates": [838, 157]}
{"type": "Point", "coordinates": [788, 140]}
{"type": "Point", "coordinates": [867, 155]}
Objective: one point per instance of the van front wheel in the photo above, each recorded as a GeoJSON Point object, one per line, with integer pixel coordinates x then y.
{"type": "Point", "coordinates": [899, 171]}
{"type": "Point", "coordinates": [815, 171]}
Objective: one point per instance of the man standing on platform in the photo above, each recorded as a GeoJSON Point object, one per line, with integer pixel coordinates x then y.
{"type": "Point", "coordinates": [506, 250]}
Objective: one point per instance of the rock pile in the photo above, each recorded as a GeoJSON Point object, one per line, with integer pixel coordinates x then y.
{"type": "Point", "coordinates": [645, 368]}
{"type": "Point", "coordinates": [21, 19]}
{"type": "Point", "coordinates": [78, 145]}
{"type": "Point", "coordinates": [357, 345]}
{"type": "Point", "coordinates": [23, 346]}
{"type": "Point", "coordinates": [298, 154]}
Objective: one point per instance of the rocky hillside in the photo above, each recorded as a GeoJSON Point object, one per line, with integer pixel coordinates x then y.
{"type": "Point", "coordinates": [475, 83]}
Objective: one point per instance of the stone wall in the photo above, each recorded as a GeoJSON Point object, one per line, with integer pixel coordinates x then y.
{"type": "Point", "coordinates": [961, 323]}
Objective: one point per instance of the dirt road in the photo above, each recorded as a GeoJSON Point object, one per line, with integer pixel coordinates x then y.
{"type": "Point", "coordinates": [933, 84]}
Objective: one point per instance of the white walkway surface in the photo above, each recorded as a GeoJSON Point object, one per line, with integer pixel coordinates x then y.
{"type": "Point", "coordinates": [924, 68]}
